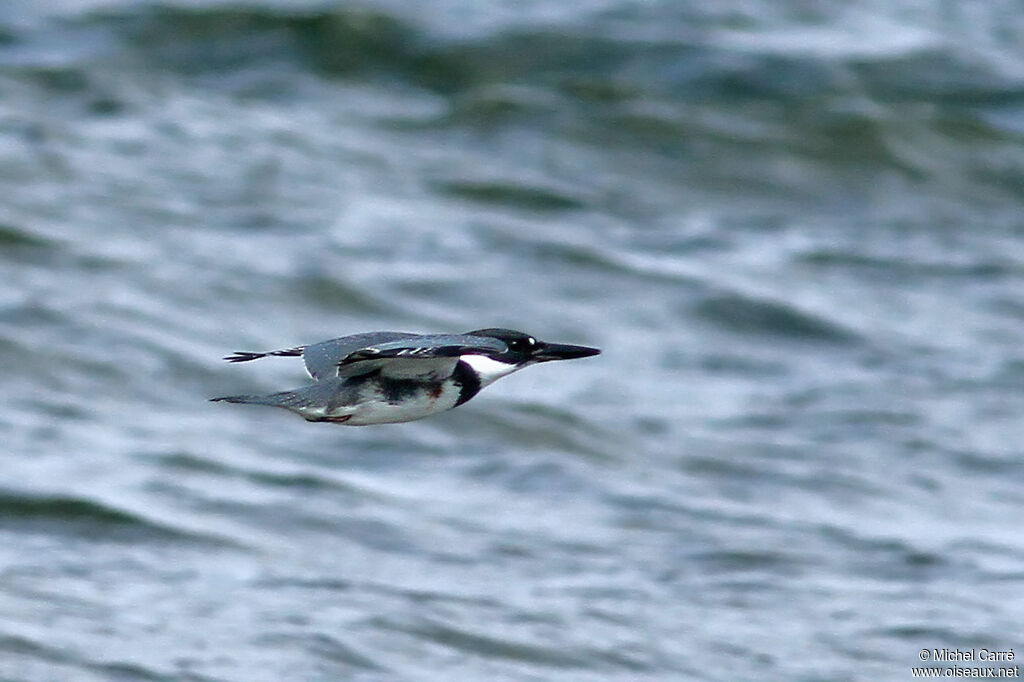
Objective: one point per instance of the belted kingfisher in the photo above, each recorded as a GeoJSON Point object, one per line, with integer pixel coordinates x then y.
{"type": "Point", "coordinates": [389, 377]}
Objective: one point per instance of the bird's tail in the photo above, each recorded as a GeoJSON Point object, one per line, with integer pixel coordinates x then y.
{"type": "Point", "coordinates": [318, 394]}
{"type": "Point", "coordinates": [274, 399]}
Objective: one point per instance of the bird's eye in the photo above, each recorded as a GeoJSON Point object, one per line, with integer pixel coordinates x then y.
{"type": "Point", "coordinates": [522, 345]}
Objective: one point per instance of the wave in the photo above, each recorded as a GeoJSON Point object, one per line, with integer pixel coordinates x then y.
{"type": "Point", "coordinates": [82, 517]}
{"type": "Point", "coordinates": [595, 61]}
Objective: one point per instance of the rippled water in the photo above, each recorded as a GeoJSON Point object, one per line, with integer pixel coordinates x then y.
{"type": "Point", "coordinates": [796, 230]}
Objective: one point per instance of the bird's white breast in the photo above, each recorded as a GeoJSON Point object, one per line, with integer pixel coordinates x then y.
{"type": "Point", "coordinates": [374, 408]}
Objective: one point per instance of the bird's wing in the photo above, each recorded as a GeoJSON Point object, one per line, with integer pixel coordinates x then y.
{"type": "Point", "coordinates": [425, 355]}
{"type": "Point", "coordinates": [246, 356]}
{"type": "Point", "coordinates": [322, 359]}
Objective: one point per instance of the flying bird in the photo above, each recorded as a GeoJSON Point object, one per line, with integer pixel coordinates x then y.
{"type": "Point", "coordinates": [390, 377]}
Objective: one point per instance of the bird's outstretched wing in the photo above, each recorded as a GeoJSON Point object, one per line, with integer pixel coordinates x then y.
{"type": "Point", "coordinates": [417, 356]}
{"type": "Point", "coordinates": [322, 358]}
{"type": "Point", "coordinates": [246, 356]}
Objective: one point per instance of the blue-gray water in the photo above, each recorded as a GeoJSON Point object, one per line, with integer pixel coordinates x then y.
{"type": "Point", "coordinates": [796, 230]}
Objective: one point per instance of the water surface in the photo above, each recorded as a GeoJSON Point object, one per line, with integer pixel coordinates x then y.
{"type": "Point", "coordinates": [795, 231]}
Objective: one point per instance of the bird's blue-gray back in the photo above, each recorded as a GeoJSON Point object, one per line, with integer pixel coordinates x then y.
{"type": "Point", "coordinates": [431, 346]}
{"type": "Point", "coordinates": [432, 356]}
{"type": "Point", "coordinates": [322, 358]}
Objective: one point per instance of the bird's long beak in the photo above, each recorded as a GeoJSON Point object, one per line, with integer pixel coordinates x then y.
{"type": "Point", "coordinates": [563, 351]}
